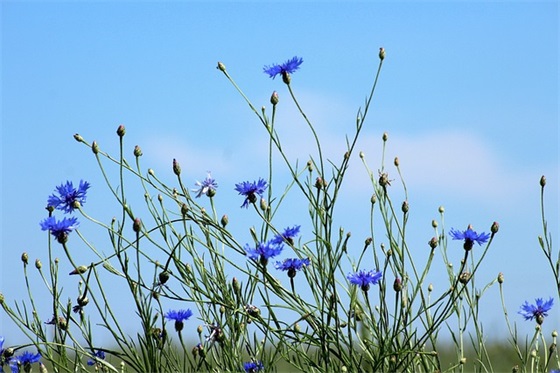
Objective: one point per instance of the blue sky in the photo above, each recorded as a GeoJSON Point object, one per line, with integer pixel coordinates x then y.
{"type": "Point", "coordinates": [468, 94]}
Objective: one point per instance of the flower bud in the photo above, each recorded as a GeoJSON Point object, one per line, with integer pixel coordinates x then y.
{"type": "Point", "coordinates": [25, 258]}
{"type": "Point", "coordinates": [405, 207]}
{"type": "Point", "coordinates": [221, 66]}
{"type": "Point", "coordinates": [137, 225]}
{"type": "Point", "coordinates": [381, 53]}
{"type": "Point", "coordinates": [38, 264]}
{"type": "Point", "coordinates": [362, 155]}
{"type": "Point", "coordinates": [397, 285]}
{"type": "Point", "coordinates": [79, 270]}
{"type": "Point", "coordinates": [82, 301]}
{"type": "Point", "coordinates": [368, 241]}
{"type": "Point", "coordinates": [430, 288]}
{"type": "Point", "coordinates": [137, 151]}
{"type": "Point", "coordinates": [396, 162]}
{"type": "Point", "coordinates": [309, 166]}
{"type": "Point", "coordinates": [373, 199]}
{"type": "Point", "coordinates": [274, 98]}
{"type": "Point", "coordinates": [263, 205]}
{"type": "Point", "coordinates": [495, 227]}
{"type": "Point", "coordinates": [464, 277]}
{"type": "Point", "coordinates": [78, 137]}
{"type": "Point", "coordinates": [441, 209]}
{"type": "Point", "coordinates": [433, 242]}
{"type": "Point", "coordinates": [121, 131]}
{"type": "Point", "coordinates": [94, 147]}
{"type": "Point", "coordinates": [224, 221]}
{"type": "Point", "coordinates": [543, 181]}
{"type": "Point", "coordinates": [385, 136]}
{"type": "Point", "coordinates": [236, 286]}
{"type": "Point", "coordinates": [176, 167]}
{"type": "Point", "coordinates": [434, 224]}
{"type": "Point", "coordinates": [184, 210]}
{"type": "Point", "coordinates": [163, 277]}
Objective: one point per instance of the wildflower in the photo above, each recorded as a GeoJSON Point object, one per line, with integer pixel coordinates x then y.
{"type": "Point", "coordinates": [288, 235]}
{"type": "Point", "coordinates": [24, 360]}
{"type": "Point", "coordinates": [67, 196]}
{"type": "Point", "coordinates": [538, 311]}
{"type": "Point", "coordinates": [207, 186]}
{"type": "Point", "coordinates": [253, 366]}
{"type": "Point", "coordinates": [99, 354]}
{"type": "Point", "coordinates": [251, 190]}
{"type": "Point", "coordinates": [292, 265]}
{"type": "Point", "coordinates": [364, 279]}
{"type": "Point", "coordinates": [59, 229]}
{"type": "Point", "coordinates": [469, 236]}
{"type": "Point", "coordinates": [263, 251]}
{"type": "Point", "coordinates": [288, 67]}
{"type": "Point", "coordinates": [179, 317]}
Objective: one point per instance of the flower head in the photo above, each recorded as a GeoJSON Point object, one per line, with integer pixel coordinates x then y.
{"type": "Point", "coordinates": [253, 366]}
{"type": "Point", "coordinates": [59, 229]}
{"type": "Point", "coordinates": [99, 354]}
{"type": "Point", "coordinates": [537, 311]}
{"type": "Point", "coordinates": [24, 360]}
{"type": "Point", "coordinates": [470, 237]}
{"type": "Point", "coordinates": [251, 190]}
{"type": "Point", "coordinates": [67, 196]}
{"type": "Point", "coordinates": [287, 235]}
{"type": "Point", "coordinates": [263, 251]}
{"type": "Point", "coordinates": [207, 186]}
{"type": "Point", "coordinates": [364, 278]}
{"type": "Point", "coordinates": [179, 317]}
{"type": "Point", "coordinates": [288, 67]}
{"type": "Point", "coordinates": [292, 265]}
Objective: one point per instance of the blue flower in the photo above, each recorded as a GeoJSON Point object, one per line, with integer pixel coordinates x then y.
{"type": "Point", "coordinates": [179, 317]}
{"type": "Point", "coordinates": [364, 279]}
{"type": "Point", "coordinates": [251, 190]}
{"type": "Point", "coordinates": [24, 360]}
{"type": "Point", "coordinates": [207, 186]}
{"type": "Point", "coordinates": [288, 67]}
{"type": "Point", "coordinates": [68, 195]}
{"type": "Point", "coordinates": [253, 366]}
{"type": "Point", "coordinates": [99, 355]}
{"type": "Point", "coordinates": [292, 265]}
{"type": "Point", "coordinates": [59, 229]}
{"type": "Point", "coordinates": [538, 311]}
{"type": "Point", "coordinates": [263, 251]}
{"type": "Point", "coordinates": [469, 236]}
{"type": "Point", "coordinates": [288, 235]}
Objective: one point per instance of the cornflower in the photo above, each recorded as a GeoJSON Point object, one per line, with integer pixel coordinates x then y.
{"type": "Point", "coordinates": [67, 196]}
{"type": "Point", "coordinates": [59, 229]}
{"type": "Point", "coordinates": [99, 354]}
{"type": "Point", "coordinates": [251, 190]}
{"type": "Point", "coordinates": [24, 360]}
{"type": "Point", "coordinates": [364, 278]}
{"type": "Point", "coordinates": [292, 265]}
{"type": "Point", "coordinates": [287, 235]}
{"type": "Point", "coordinates": [284, 69]}
{"type": "Point", "coordinates": [208, 186]}
{"type": "Point", "coordinates": [263, 251]}
{"type": "Point", "coordinates": [253, 366]}
{"type": "Point", "coordinates": [537, 311]}
{"type": "Point", "coordinates": [470, 237]}
{"type": "Point", "coordinates": [179, 317]}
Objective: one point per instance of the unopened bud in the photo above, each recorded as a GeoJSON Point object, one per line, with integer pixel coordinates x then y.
{"type": "Point", "coordinates": [38, 264]}
{"type": "Point", "coordinates": [397, 285]}
{"type": "Point", "coordinates": [137, 225]}
{"type": "Point", "coordinates": [434, 224]}
{"type": "Point", "coordinates": [441, 209]}
{"type": "Point", "coordinates": [163, 277]}
{"type": "Point", "coordinates": [495, 227]}
{"type": "Point", "coordinates": [121, 131]}
{"type": "Point", "coordinates": [224, 221]}
{"type": "Point", "coordinates": [274, 98]}
{"type": "Point", "coordinates": [381, 53]}
{"type": "Point", "coordinates": [464, 277]}
{"type": "Point", "coordinates": [373, 199]}
{"type": "Point", "coordinates": [78, 138]}
{"type": "Point", "coordinates": [430, 288]}
{"type": "Point", "coordinates": [137, 151]}
{"type": "Point", "coordinates": [543, 181]}
{"type": "Point", "coordinates": [433, 242]}
{"type": "Point", "coordinates": [396, 162]}
{"type": "Point", "coordinates": [94, 147]}
{"type": "Point", "coordinates": [385, 136]}
{"type": "Point", "coordinates": [25, 258]}
{"type": "Point", "coordinates": [263, 204]}
{"type": "Point", "coordinates": [221, 66]}
{"type": "Point", "coordinates": [369, 240]}
{"type": "Point", "coordinates": [79, 270]}
{"type": "Point", "coordinates": [405, 207]}
{"type": "Point", "coordinates": [176, 167]}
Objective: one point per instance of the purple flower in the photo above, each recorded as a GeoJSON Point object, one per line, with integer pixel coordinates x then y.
{"type": "Point", "coordinates": [24, 360]}
{"type": "Point", "coordinates": [251, 190]}
{"type": "Point", "coordinates": [288, 235]}
{"type": "Point", "coordinates": [99, 354]}
{"type": "Point", "coordinates": [208, 186]}
{"type": "Point", "coordinates": [68, 196]}
{"type": "Point", "coordinates": [292, 265]}
{"type": "Point", "coordinates": [469, 236]}
{"type": "Point", "coordinates": [263, 251]}
{"type": "Point", "coordinates": [253, 366]}
{"type": "Point", "coordinates": [288, 67]}
{"type": "Point", "coordinates": [59, 229]}
{"type": "Point", "coordinates": [537, 311]}
{"type": "Point", "coordinates": [179, 317]}
{"type": "Point", "coordinates": [364, 278]}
